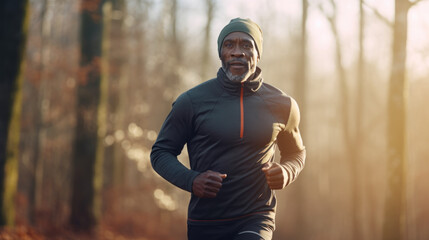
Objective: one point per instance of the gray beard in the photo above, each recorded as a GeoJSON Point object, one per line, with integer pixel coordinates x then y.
{"type": "Point", "coordinates": [236, 78]}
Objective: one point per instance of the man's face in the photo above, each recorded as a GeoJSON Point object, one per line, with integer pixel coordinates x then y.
{"type": "Point", "coordinates": [239, 56]}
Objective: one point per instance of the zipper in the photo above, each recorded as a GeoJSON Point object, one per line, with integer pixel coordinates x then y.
{"type": "Point", "coordinates": [241, 112]}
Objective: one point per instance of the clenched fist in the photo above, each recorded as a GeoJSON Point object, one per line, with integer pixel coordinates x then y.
{"type": "Point", "coordinates": [276, 176]}
{"type": "Point", "coordinates": [207, 184]}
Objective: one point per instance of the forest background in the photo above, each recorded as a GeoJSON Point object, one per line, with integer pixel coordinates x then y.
{"type": "Point", "coordinates": [85, 86]}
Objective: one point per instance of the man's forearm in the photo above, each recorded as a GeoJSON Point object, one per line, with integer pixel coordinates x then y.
{"type": "Point", "coordinates": [170, 168]}
{"type": "Point", "coordinates": [293, 164]}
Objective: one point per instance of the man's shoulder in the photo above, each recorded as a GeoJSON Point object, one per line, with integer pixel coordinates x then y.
{"type": "Point", "coordinates": [203, 90]}
{"type": "Point", "coordinates": [280, 103]}
{"type": "Point", "coordinates": [274, 95]}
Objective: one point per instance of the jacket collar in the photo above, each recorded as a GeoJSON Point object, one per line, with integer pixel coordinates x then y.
{"type": "Point", "coordinates": [251, 85]}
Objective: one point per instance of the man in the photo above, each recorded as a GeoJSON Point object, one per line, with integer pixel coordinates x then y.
{"type": "Point", "coordinates": [232, 125]}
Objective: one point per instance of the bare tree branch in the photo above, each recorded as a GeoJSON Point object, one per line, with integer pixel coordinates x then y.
{"type": "Point", "coordinates": [330, 17]}
{"type": "Point", "coordinates": [415, 2]}
{"type": "Point", "coordinates": [334, 6]}
{"type": "Point", "coordinates": [379, 15]}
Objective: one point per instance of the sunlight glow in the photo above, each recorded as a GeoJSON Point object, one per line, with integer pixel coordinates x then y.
{"type": "Point", "coordinates": [126, 144]}
{"type": "Point", "coordinates": [151, 135]}
{"type": "Point", "coordinates": [141, 156]}
{"type": "Point", "coordinates": [134, 130]}
{"type": "Point", "coordinates": [109, 140]}
{"type": "Point", "coordinates": [164, 201]}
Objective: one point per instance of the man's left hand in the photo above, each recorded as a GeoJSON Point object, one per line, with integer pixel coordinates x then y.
{"type": "Point", "coordinates": [276, 175]}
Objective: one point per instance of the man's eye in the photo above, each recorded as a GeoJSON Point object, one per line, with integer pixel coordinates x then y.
{"type": "Point", "coordinates": [247, 45]}
{"type": "Point", "coordinates": [228, 45]}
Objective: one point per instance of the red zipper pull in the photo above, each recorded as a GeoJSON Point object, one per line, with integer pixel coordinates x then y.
{"type": "Point", "coordinates": [241, 112]}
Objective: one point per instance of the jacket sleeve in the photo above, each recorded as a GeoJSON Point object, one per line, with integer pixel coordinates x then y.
{"type": "Point", "coordinates": [292, 150]}
{"type": "Point", "coordinates": [174, 133]}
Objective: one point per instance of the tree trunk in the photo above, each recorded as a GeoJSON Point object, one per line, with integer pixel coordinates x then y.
{"type": "Point", "coordinates": [394, 217]}
{"type": "Point", "coordinates": [350, 140]}
{"type": "Point", "coordinates": [91, 111]}
{"type": "Point", "coordinates": [205, 63]}
{"type": "Point", "coordinates": [356, 147]}
{"type": "Point", "coordinates": [301, 75]}
{"type": "Point", "coordinates": [301, 98]}
{"type": "Point", "coordinates": [114, 158]}
{"type": "Point", "coordinates": [14, 20]}
{"type": "Point", "coordinates": [39, 129]}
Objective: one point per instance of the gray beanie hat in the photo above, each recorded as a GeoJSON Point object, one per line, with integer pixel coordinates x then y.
{"type": "Point", "coordinates": [242, 25]}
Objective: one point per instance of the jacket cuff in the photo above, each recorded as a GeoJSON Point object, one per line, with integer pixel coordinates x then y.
{"type": "Point", "coordinates": [193, 174]}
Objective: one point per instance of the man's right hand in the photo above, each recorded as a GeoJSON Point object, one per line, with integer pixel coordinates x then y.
{"type": "Point", "coordinates": [207, 184]}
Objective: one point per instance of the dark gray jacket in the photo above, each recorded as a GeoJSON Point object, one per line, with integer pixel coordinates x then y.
{"type": "Point", "coordinates": [230, 128]}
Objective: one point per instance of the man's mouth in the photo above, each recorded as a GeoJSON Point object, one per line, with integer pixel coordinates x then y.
{"type": "Point", "coordinates": [237, 64]}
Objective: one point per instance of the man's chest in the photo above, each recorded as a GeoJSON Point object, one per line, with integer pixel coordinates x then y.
{"type": "Point", "coordinates": [233, 119]}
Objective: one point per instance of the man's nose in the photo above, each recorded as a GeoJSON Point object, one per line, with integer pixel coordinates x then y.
{"type": "Point", "coordinates": [237, 52]}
